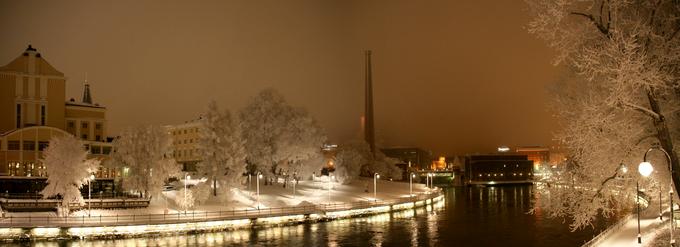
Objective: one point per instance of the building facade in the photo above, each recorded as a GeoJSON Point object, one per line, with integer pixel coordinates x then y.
{"type": "Point", "coordinates": [185, 143]}
{"type": "Point", "coordinates": [539, 155]}
{"type": "Point", "coordinates": [492, 169]}
{"type": "Point", "coordinates": [33, 110]}
{"type": "Point", "coordinates": [414, 158]}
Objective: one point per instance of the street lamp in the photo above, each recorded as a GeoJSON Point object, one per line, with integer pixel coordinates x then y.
{"type": "Point", "coordinates": [294, 182]}
{"type": "Point", "coordinates": [410, 184]}
{"type": "Point", "coordinates": [645, 169]}
{"type": "Point", "coordinates": [648, 166]}
{"type": "Point", "coordinates": [186, 177]}
{"type": "Point", "coordinates": [259, 175]}
{"type": "Point", "coordinates": [89, 195]}
{"type": "Point", "coordinates": [330, 177]}
{"type": "Point", "coordinates": [376, 176]}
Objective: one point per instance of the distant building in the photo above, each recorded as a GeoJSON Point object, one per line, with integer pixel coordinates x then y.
{"type": "Point", "coordinates": [33, 110]}
{"type": "Point", "coordinates": [414, 158]}
{"type": "Point", "coordinates": [498, 169]}
{"type": "Point", "coordinates": [539, 155]}
{"type": "Point", "coordinates": [185, 142]}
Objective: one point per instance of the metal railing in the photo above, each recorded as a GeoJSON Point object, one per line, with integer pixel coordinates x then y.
{"type": "Point", "coordinates": [198, 216]}
{"type": "Point", "coordinates": [603, 234]}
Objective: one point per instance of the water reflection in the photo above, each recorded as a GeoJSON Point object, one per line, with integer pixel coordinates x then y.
{"type": "Point", "coordinates": [493, 216]}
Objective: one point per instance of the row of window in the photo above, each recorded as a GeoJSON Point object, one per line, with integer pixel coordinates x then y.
{"type": "Point", "coordinates": [84, 125]}
{"type": "Point", "coordinates": [501, 174]}
{"type": "Point", "coordinates": [185, 131]}
{"type": "Point", "coordinates": [185, 141]}
{"type": "Point", "coordinates": [30, 146]}
{"type": "Point", "coordinates": [30, 169]}
{"type": "Point", "coordinates": [185, 153]}
{"type": "Point", "coordinates": [43, 114]}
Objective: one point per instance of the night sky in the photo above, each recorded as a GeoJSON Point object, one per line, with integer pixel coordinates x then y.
{"type": "Point", "coordinates": [449, 76]}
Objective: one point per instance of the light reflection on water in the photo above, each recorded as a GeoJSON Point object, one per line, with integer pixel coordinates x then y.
{"type": "Point", "coordinates": [494, 216]}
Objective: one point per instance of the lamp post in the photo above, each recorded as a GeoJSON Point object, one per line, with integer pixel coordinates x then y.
{"type": "Point", "coordinates": [294, 182]}
{"type": "Point", "coordinates": [670, 167]}
{"type": "Point", "coordinates": [186, 177]}
{"type": "Point", "coordinates": [376, 176]}
{"type": "Point", "coordinates": [89, 195]}
{"type": "Point", "coordinates": [410, 184]}
{"type": "Point", "coordinates": [259, 175]}
{"type": "Point", "coordinates": [330, 177]}
{"type": "Point", "coordinates": [645, 169]}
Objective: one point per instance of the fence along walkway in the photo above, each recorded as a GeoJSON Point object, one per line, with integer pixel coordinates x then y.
{"type": "Point", "coordinates": [193, 216]}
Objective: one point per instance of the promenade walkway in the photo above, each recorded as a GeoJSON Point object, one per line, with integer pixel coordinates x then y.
{"type": "Point", "coordinates": [627, 234]}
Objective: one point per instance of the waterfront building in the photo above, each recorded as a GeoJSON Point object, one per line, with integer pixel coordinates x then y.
{"type": "Point", "coordinates": [499, 168]}
{"type": "Point", "coordinates": [185, 143]}
{"type": "Point", "coordinates": [414, 158]}
{"type": "Point", "coordinates": [539, 155]}
{"type": "Point", "coordinates": [33, 110]}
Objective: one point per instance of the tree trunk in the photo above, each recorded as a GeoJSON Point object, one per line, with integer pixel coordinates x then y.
{"type": "Point", "coordinates": [214, 187]}
{"type": "Point", "coordinates": [665, 139]}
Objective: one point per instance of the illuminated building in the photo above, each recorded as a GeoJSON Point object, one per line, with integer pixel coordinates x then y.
{"type": "Point", "coordinates": [185, 143]}
{"type": "Point", "coordinates": [33, 110]}
{"type": "Point", "coordinates": [414, 158]}
{"type": "Point", "coordinates": [498, 169]}
{"type": "Point", "coordinates": [539, 155]}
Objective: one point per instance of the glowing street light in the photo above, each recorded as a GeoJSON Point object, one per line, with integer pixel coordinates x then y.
{"type": "Point", "coordinates": [330, 178]}
{"type": "Point", "coordinates": [376, 176]}
{"type": "Point", "coordinates": [294, 182]}
{"type": "Point", "coordinates": [89, 195]}
{"type": "Point", "coordinates": [645, 168]}
{"type": "Point", "coordinates": [259, 176]}
{"type": "Point", "coordinates": [186, 177]}
{"type": "Point", "coordinates": [410, 184]}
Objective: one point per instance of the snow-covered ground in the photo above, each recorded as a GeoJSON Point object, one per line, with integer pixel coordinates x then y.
{"type": "Point", "coordinates": [271, 196]}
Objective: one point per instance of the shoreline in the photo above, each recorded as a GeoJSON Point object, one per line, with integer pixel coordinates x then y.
{"type": "Point", "coordinates": [207, 222]}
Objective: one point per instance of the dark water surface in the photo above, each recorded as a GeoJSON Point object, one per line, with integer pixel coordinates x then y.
{"type": "Point", "coordinates": [492, 216]}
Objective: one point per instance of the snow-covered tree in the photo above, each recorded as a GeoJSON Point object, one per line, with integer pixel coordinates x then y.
{"type": "Point", "coordinates": [619, 97]}
{"type": "Point", "coordinates": [279, 137]}
{"type": "Point", "coordinates": [146, 153]}
{"type": "Point", "coordinates": [223, 149]}
{"type": "Point", "coordinates": [67, 168]}
{"type": "Point", "coordinates": [349, 159]}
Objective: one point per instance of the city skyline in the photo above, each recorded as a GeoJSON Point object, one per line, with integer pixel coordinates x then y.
{"type": "Point", "coordinates": [317, 64]}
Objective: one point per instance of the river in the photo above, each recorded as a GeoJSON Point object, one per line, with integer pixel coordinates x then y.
{"type": "Point", "coordinates": [474, 216]}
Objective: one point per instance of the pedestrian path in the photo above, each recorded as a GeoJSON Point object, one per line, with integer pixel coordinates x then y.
{"type": "Point", "coordinates": [627, 234]}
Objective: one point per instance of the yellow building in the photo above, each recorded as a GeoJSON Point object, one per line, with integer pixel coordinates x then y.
{"type": "Point", "coordinates": [33, 110]}
{"type": "Point", "coordinates": [185, 142]}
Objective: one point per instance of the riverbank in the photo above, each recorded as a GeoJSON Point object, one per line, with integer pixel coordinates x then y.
{"type": "Point", "coordinates": [107, 225]}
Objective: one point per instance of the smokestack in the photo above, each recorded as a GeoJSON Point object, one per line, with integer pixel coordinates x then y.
{"type": "Point", "coordinates": [369, 131]}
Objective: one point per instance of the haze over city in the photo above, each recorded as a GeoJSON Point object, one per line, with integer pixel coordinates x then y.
{"type": "Point", "coordinates": [452, 77]}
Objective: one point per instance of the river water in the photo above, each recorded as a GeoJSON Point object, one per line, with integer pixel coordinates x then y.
{"type": "Point", "coordinates": [491, 216]}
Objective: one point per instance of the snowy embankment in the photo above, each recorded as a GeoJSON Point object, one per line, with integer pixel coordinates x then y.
{"type": "Point", "coordinates": [278, 205]}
